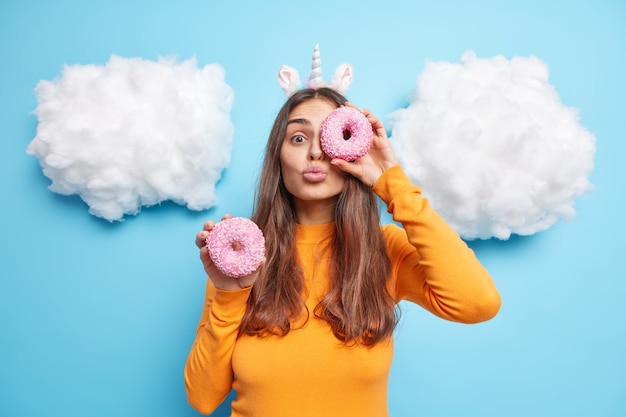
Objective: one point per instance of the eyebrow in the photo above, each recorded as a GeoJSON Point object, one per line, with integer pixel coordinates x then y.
{"type": "Point", "coordinates": [301, 121]}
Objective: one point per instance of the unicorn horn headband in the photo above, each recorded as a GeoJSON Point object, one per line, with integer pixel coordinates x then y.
{"type": "Point", "coordinates": [289, 78]}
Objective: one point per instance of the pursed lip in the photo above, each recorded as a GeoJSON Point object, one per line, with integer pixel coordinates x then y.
{"type": "Point", "coordinates": [314, 174]}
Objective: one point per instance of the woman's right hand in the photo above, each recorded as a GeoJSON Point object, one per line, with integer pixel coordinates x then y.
{"type": "Point", "coordinates": [221, 281]}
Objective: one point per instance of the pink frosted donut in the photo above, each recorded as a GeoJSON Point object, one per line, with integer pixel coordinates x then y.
{"type": "Point", "coordinates": [346, 134]}
{"type": "Point", "coordinates": [236, 246]}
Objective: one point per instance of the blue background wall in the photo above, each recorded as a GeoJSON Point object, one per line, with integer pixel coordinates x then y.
{"type": "Point", "coordinates": [96, 319]}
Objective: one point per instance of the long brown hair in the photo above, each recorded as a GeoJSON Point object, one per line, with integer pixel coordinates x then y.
{"type": "Point", "coordinates": [358, 306]}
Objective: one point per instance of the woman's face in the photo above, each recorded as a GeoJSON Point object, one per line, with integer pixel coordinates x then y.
{"type": "Point", "coordinates": [306, 170]}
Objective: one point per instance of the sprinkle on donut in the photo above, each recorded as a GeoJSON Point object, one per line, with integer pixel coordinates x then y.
{"type": "Point", "coordinates": [236, 246]}
{"type": "Point", "coordinates": [346, 134]}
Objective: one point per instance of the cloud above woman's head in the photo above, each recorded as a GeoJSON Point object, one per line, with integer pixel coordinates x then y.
{"type": "Point", "coordinates": [135, 133]}
{"type": "Point", "coordinates": [493, 147]}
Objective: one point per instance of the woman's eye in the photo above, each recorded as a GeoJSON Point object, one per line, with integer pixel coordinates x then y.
{"type": "Point", "coordinates": [298, 139]}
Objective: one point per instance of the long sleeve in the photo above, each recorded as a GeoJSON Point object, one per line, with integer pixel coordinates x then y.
{"type": "Point", "coordinates": [208, 371]}
{"type": "Point", "coordinates": [433, 266]}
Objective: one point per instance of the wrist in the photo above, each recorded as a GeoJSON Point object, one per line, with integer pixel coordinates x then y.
{"type": "Point", "coordinates": [232, 284]}
{"type": "Point", "coordinates": [243, 284]}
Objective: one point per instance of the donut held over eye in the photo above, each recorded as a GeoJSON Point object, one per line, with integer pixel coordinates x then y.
{"type": "Point", "coordinates": [346, 134]}
{"type": "Point", "coordinates": [236, 246]}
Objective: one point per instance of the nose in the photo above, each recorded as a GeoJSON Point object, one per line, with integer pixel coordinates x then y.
{"type": "Point", "coordinates": [315, 150]}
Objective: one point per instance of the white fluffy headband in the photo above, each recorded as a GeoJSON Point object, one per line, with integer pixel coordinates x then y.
{"type": "Point", "coordinates": [289, 79]}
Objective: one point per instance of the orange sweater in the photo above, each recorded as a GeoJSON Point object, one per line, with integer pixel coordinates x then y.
{"type": "Point", "coordinates": [309, 372]}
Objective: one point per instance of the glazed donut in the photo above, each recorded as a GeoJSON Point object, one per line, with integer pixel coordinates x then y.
{"type": "Point", "coordinates": [346, 134]}
{"type": "Point", "coordinates": [236, 246]}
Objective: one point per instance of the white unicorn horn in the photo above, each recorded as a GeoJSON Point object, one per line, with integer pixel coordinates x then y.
{"type": "Point", "coordinates": [315, 79]}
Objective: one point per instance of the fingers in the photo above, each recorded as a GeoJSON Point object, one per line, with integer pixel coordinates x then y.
{"type": "Point", "coordinates": [206, 228]}
{"type": "Point", "coordinates": [377, 124]}
{"type": "Point", "coordinates": [345, 166]}
{"type": "Point", "coordinates": [202, 235]}
{"type": "Point", "coordinates": [366, 169]}
{"type": "Point", "coordinates": [201, 238]}
{"type": "Point", "coordinates": [204, 256]}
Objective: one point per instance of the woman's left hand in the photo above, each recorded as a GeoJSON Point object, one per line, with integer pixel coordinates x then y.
{"type": "Point", "coordinates": [378, 159]}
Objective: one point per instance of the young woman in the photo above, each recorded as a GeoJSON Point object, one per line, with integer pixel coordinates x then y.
{"type": "Point", "coordinates": [310, 333]}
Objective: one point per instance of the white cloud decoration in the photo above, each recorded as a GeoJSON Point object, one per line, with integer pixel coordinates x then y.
{"type": "Point", "coordinates": [493, 147]}
{"type": "Point", "coordinates": [135, 133]}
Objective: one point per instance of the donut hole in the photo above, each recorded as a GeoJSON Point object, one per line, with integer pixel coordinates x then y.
{"type": "Point", "coordinates": [236, 246]}
{"type": "Point", "coordinates": [347, 134]}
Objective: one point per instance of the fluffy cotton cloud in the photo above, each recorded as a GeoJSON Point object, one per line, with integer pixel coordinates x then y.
{"type": "Point", "coordinates": [493, 146]}
{"type": "Point", "coordinates": [134, 133]}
